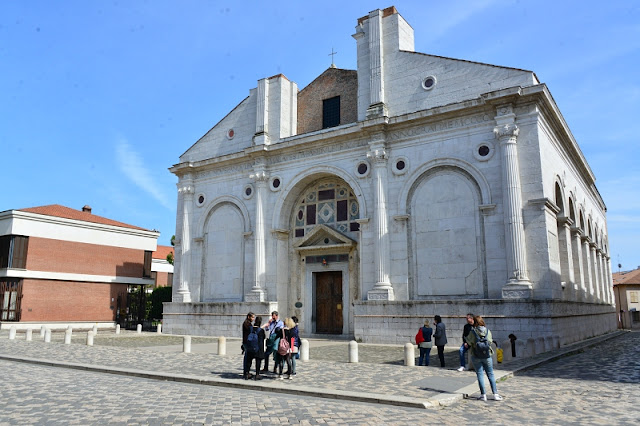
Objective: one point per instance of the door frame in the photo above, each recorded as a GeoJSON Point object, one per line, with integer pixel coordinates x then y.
{"type": "Point", "coordinates": [310, 283]}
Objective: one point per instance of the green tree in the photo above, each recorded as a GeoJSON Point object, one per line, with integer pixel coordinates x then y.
{"type": "Point", "coordinates": [159, 296]}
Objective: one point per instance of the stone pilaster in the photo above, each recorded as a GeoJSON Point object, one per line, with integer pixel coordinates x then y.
{"type": "Point", "coordinates": [578, 264]}
{"type": "Point", "coordinates": [186, 190]}
{"type": "Point", "coordinates": [518, 284]}
{"type": "Point", "coordinates": [377, 106]}
{"type": "Point", "coordinates": [588, 280]}
{"type": "Point", "coordinates": [261, 136]}
{"type": "Point", "coordinates": [610, 296]}
{"type": "Point", "coordinates": [566, 252]}
{"type": "Point", "coordinates": [602, 286]}
{"type": "Point", "coordinates": [595, 274]}
{"type": "Point", "coordinates": [258, 292]}
{"type": "Point", "coordinates": [378, 156]}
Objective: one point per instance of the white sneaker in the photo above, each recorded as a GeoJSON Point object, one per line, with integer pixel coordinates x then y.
{"type": "Point", "coordinates": [280, 377]}
{"type": "Point", "coordinates": [497, 397]}
{"type": "Point", "coordinates": [482, 397]}
{"type": "Point", "coordinates": [461, 369]}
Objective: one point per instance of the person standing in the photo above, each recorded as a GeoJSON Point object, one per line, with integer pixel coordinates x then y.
{"type": "Point", "coordinates": [465, 346]}
{"type": "Point", "coordinates": [440, 337]}
{"type": "Point", "coordinates": [274, 326]}
{"type": "Point", "coordinates": [426, 345]}
{"type": "Point", "coordinates": [479, 340]}
{"type": "Point", "coordinates": [255, 353]}
{"type": "Point", "coordinates": [246, 329]}
{"type": "Point", "coordinates": [296, 344]}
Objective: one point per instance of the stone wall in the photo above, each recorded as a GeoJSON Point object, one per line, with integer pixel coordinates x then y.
{"type": "Point", "coordinates": [212, 319]}
{"type": "Point", "coordinates": [397, 322]}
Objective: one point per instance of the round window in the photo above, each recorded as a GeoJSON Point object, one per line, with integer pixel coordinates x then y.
{"type": "Point", "coordinates": [429, 82]}
{"type": "Point", "coordinates": [201, 199]}
{"type": "Point", "coordinates": [400, 165]}
{"type": "Point", "coordinates": [248, 191]}
{"type": "Point", "coordinates": [483, 150]}
{"type": "Point", "coordinates": [363, 168]}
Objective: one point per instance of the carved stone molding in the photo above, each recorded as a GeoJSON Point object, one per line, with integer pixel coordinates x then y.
{"type": "Point", "coordinates": [505, 132]}
{"type": "Point", "coordinates": [378, 156]}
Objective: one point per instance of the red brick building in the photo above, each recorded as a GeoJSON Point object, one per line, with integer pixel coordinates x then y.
{"type": "Point", "coordinates": [60, 266]}
{"type": "Point", "coordinates": [161, 269]}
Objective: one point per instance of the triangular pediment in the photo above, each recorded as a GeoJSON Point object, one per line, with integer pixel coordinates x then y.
{"type": "Point", "coordinates": [323, 238]}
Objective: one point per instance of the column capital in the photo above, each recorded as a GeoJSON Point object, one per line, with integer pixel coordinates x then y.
{"type": "Point", "coordinates": [378, 156]}
{"type": "Point", "coordinates": [576, 231]}
{"type": "Point", "coordinates": [186, 189]}
{"type": "Point", "coordinates": [565, 221]}
{"type": "Point", "coordinates": [506, 132]}
{"type": "Point", "coordinates": [260, 176]}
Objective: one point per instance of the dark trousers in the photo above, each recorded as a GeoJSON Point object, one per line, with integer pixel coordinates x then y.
{"type": "Point", "coordinates": [249, 360]}
{"type": "Point", "coordinates": [282, 360]}
{"type": "Point", "coordinates": [441, 355]}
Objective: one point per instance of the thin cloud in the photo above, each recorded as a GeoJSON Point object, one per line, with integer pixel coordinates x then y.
{"type": "Point", "coordinates": [447, 22]}
{"type": "Point", "coordinates": [132, 165]}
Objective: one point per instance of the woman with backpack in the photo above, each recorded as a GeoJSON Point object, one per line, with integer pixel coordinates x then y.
{"type": "Point", "coordinates": [284, 349]}
{"type": "Point", "coordinates": [479, 341]}
{"type": "Point", "coordinates": [426, 344]}
{"type": "Point", "coordinates": [254, 348]}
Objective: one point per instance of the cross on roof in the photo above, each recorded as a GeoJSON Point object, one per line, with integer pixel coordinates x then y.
{"type": "Point", "coordinates": [332, 54]}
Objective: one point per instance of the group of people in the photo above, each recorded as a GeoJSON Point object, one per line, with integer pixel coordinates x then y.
{"type": "Point", "coordinates": [476, 339]}
{"type": "Point", "coordinates": [278, 339]}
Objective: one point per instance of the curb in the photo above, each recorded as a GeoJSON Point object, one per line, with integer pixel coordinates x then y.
{"type": "Point", "coordinates": [236, 384]}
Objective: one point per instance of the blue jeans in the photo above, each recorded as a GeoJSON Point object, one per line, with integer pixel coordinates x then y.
{"type": "Point", "coordinates": [463, 350]}
{"type": "Point", "coordinates": [424, 356]}
{"type": "Point", "coordinates": [481, 365]}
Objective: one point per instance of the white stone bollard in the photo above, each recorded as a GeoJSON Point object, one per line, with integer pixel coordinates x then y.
{"type": "Point", "coordinates": [506, 351]}
{"type": "Point", "coordinates": [494, 355]}
{"type": "Point", "coordinates": [548, 343]}
{"type": "Point", "coordinates": [521, 349]}
{"type": "Point", "coordinates": [539, 345]}
{"type": "Point", "coordinates": [47, 335]}
{"type": "Point", "coordinates": [43, 329]}
{"type": "Point", "coordinates": [159, 329]}
{"type": "Point", "coordinates": [95, 329]}
{"type": "Point", "coordinates": [556, 341]}
{"type": "Point", "coordinates": [530, 348]}
{"type": "Point", "coordinates": [409, 355]}
{"type": "Point", "coordinates": [304, 350]}
{"type": "Point", "coordinates": [67, 336]}
{"type": "Point", "coordinates": [353, 351]}
{"type": "Point", "coordinates": [89, 338]}
{"type": "Point", "coordinates": [29, 336]}
{"type": "Point", "coordinates": [12, 332]}
{"type": "Point", "coordinates": [139, 328]}
{"type": "Point", "coordinates": [186, 344]}
{"type": "Point", "coordinates": [117, 328]}
{"type": "Point", "coordinates": [222, 345]}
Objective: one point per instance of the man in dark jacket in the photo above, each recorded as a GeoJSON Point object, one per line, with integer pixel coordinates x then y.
{"type": "Point", "coordinates": [246, 329]}
{"type": "Point", "coordinates": [440, 338]}
{"type": "Point", "coordinates": [464, 347]}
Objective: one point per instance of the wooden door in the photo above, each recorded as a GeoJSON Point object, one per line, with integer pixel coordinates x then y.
{"type": "Point", "coordinates": [328, 299]}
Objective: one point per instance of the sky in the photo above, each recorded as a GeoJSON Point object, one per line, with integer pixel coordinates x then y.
{"type": "Point", "coordinates": [98, 99]}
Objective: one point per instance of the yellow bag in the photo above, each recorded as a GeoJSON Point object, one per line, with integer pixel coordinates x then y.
{"type": "Point", "coordinates": [499, 354]}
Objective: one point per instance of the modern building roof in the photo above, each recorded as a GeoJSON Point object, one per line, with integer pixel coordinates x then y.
{"type": "Point", "coordinates": [56, 210]}
{"type": "Point", "coordinates": [627, 277]}
{"type": "Point", "coordinates": [162, 252]}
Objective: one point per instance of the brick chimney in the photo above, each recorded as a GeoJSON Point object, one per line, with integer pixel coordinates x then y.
{"type": "Point", "coordinates": [86, 208]}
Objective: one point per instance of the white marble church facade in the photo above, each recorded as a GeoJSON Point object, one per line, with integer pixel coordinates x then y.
{"type": "Point", "coordinates": [443, 187]}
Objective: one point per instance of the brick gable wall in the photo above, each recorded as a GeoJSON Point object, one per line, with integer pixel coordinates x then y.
{"type": "Point", "coordinates": [81, 258]}
{"type": "Point", "coordinates": [70, 301]}
{"type": "Point", "coordinates": [333, 82]}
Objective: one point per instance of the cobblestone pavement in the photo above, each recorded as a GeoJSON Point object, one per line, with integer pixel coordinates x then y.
{"type": "Point", "coordinates": [600, 385]}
